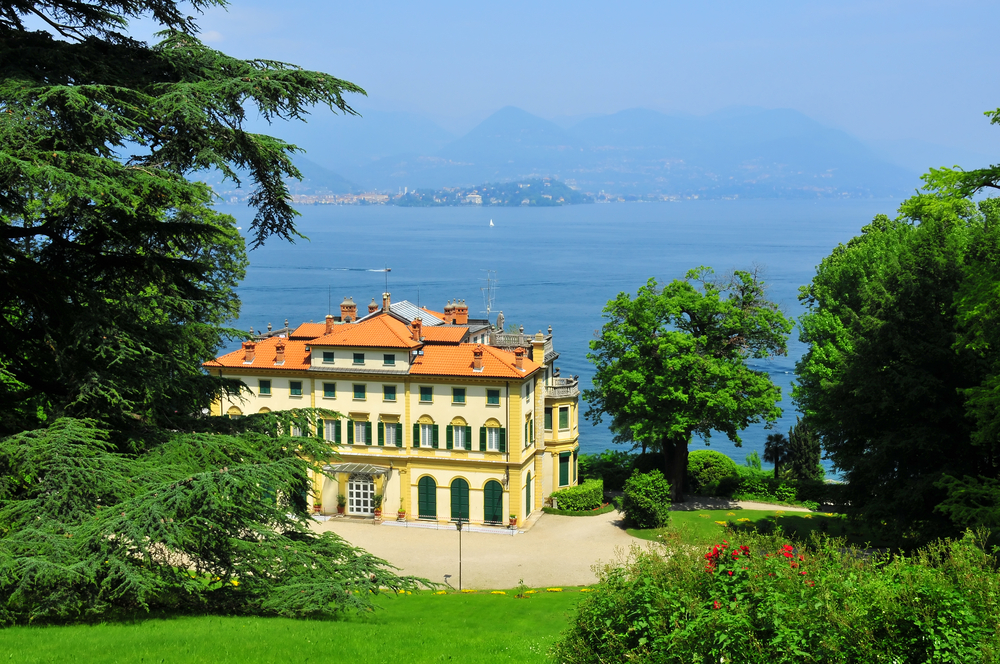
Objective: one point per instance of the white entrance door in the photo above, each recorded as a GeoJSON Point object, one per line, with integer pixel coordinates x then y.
{"type": "Point", "coordinates": [360, 495]}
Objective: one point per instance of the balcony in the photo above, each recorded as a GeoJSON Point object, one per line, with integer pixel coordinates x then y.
{"type": "Point", "coordinates": [563, 388]}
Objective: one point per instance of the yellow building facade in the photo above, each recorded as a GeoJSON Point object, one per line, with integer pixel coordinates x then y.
{"type": "Point", "coordinates": [445, 417]}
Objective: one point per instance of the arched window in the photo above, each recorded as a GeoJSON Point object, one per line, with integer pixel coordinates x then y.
{"type": "Point", "coordinates": [459, 500]}
{"type": "Point", "coordinates": [493, 503]}
{"type": "Point", "coordinates": [234, 412]}
{"type": "Point", "coordinates": [427, 498]}
{"type": "Point", "coordinates": [492, 437]}
{"type": "Point", "coordinates": [425, 433]}
{"type": "Point", "coordinates": [458, 435]}
{"type": "Point", "coordinates": [265, 409]}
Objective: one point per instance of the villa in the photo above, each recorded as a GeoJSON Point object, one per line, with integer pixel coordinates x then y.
{"type": "Point", "coordinates": [445, 416]}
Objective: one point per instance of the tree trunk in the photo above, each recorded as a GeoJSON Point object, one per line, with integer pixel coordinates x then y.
{"type": "Point", "coordinates": [678, 472]}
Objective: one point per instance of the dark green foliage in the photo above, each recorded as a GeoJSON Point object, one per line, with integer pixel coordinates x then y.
{"type": "Point", "coordinates": [586, 496]}
{"type": "Point", "coordinates": [116, 275]}
{"type": "Point", "coordinates": [646, 500]}
{"type": "Point", "coordinates": [759, 600]}
{"type": "Point", "coordinates": [611, 466]}
{"type": "Point", "coordinates": [776, 451]}
{"type": "Point", "coordinates": [804, 452]}
{"type": "Point", "coordinates": [672, 362]}
{"type": "Point", "coordinates": [900, 379]}
{"type": "Point", "coordinates": [537, 193]}
{"type": "Point", "coordinates": [706, 468]}
{"type": "Point", "coordinates": [203, 522]}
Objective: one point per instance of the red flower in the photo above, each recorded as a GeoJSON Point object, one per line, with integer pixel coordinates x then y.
{"type": "Point", "coordinates": [794, 565]}
{"type": "Point", "coordinates": [716, 605]}
{"type": "Point", "coordinates": [730, 572]}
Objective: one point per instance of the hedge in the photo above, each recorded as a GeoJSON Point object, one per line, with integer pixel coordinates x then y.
{"type": "Point", "coordinates": [706, 469]}
{"type": "Point", "coordinates": [582, 497]}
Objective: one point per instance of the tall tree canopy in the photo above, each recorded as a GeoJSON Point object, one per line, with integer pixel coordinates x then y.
{"type": "Point", "coordinates": [901, 377]}
{"type": "Point", "coordinates": [671, 362]}
{"type": "Point", "coordinates": [116, 274]}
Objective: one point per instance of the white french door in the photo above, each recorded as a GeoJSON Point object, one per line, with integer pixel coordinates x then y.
{"type": "Point", "coordinates": [360, 495]}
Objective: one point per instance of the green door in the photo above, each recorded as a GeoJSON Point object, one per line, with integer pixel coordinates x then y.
{"type": "Point", "coordinates": [459, 500]}
{"type": "Point", "coordinates": [427, 498]}
{"type": "Point", "coordinates": [493, 503]}
{"type": "Point", "coordinates": [564, 469]}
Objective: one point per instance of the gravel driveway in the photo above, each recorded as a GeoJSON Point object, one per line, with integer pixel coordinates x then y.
{"type": "Point", "coordinates": [556, 551]}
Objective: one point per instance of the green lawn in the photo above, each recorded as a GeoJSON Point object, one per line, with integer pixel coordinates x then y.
{"type": "Point", "coordinates": [703, 526]}
{"type": "Point", "coordinates": [479, 627]}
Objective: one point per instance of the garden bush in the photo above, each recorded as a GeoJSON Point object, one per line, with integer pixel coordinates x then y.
{"type": "Point", "coordinates": [612, 466]}
{"type": "Point", "coordinates": [646, 500]}
{"type": "Point", "coordinates": [706, 468]}
{"type": "Point", "coordinates": [762, 599]}
{"type": "Point", "coordinates": [586, 496]}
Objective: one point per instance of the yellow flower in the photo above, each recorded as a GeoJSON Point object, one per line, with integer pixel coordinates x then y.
{"type": "Point", "coordinates": [807, 516]}
{"type": "Point", "coordinates": [235, 582]}
{"type": "Point", "coordinates": [497, 592]}
{"type": "Point", "coordinates": [441, 592]}
{"type": "Point", "coordinates": [828, 514]}
{"type": "Point", "coordinates": [553, 590]}
{"type": "Point", "coordinates": [530, 592]}
{"type": "Point", "coordinates": [743, 520]}
{"type": "Point", "coordinates": [730, 513]}
{"type": "Point", "coordinates": [780, 512]}
{"type": "Point", "coordinates": [468, 590]}
{"type": "Point", "coordinates": [721, 523]}
{"type": "Point", "coordinates": [586, 590]}
{"type": "Point", "coordinates": [704, 516]}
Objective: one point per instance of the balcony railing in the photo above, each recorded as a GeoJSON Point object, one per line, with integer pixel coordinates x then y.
{"type": "Point", "coordinates": [562, 388]}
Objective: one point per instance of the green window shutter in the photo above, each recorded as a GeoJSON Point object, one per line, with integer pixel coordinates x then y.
{"type": "Point", "coordinates": [564, 468]}
{"type": "Point", "coordinates": [449, 437]}
{"type": "Point", "coordinates": [503, 439]}
{"type": "Point", "coordinates": [548, 419]}
{"type": "Point", "coordinates": [319, 428]}
{"type": "Point", "coordinates": [482, 439]}
{"type": "Point", "coordinates": [368, 433]}
{"type": "Point", "coordinates": [381, 434]}
{"type": "Point", "coordinates": [468, 438]}
{"type": "Point", "coordinates": [531, 431]}
{"type": "Point", "coordinates": [336, 432]}
{"type": "Point", "coordinates": [434, 436]}
{"type": "Point", "coordinates": [416, 435]}
{"type": "Point", "coordinates": [350, 432]}
{"type": "Point", "coordinates": [399, 435]}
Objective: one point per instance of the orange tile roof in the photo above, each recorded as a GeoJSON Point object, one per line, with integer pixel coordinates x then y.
{"type": "Point", "coordinates": [308, 331]}
{"type": "Point", "coordinates": [296, 356]}
{"type": "Point", "coordinates": [381, 331]}
{"type": "Point", "coordinates": [457, 361]}
{"type": "Point", "coordinates": [443, 335]}
{"type": "Point", "coordinates": [435, 313]}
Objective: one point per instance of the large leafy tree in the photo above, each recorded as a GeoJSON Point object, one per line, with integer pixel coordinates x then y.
{"type": "Point", "coordinates": [672, 362]}
{"type": "Point", "coordinates": [901, 375]}
{"type": "Point", "coordinates": [116, 274]}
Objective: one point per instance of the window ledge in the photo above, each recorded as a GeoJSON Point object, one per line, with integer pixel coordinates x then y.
{"type": "Point", "coordinates": [294, 396]}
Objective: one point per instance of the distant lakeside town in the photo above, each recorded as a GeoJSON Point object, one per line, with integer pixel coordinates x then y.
{"type": "Point", "coordinates": [541, 192]}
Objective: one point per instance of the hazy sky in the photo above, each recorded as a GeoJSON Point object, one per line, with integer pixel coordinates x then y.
{"type": "Point", "coordinates": [880, 70]}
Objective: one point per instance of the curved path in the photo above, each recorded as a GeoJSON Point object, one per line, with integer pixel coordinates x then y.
{"type": "Point", "coordinates": [554, 551]}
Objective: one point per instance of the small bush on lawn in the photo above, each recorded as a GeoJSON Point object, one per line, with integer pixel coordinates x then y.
{"type": "Point", "coordinates": [763, 600]}
{"type": "Point", "coordinates": [586, 496]}
{"type": "Point", "coordinates": [646, 500]}
{"type": "Point", "coordinates": [706, 468]}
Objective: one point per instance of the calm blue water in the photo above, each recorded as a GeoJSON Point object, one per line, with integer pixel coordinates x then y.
{"type": "Point", "coordinates": [555, 266]}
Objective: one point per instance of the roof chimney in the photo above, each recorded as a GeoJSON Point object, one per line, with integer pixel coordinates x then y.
{"type": "Point", "coordinates": [448, 312]}
{"type": "Point", "coordinates": [248, 351]}
{"type": "Point", "coordinates": [279, 353]}
{"type": "Point", "coordinates": [372, 307]}
{"type": "Point", "coordinates": [477, 358]}
{"type": "Point", "coordinates": [348, 310]}
{"type": "Point", "coordinates": [385, 302]}
{"type": "Point", "coordinates": [461, 313]}
{"type": "Point", "coordinates": [416, 328]}
{"type": "Point", "coordinates": [329, 323]}
{"type": "Point", "coordinates": [519, 359]}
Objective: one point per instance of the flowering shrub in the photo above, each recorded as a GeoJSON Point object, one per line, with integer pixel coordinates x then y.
{"type": "Point", "coordinates": [767, 600]}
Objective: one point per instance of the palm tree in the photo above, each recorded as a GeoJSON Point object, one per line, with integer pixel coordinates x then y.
{"type": "Point", "coordinates": [776, 451]}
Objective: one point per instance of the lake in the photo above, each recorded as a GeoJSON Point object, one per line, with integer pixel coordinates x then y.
{"type": "Point", "coordinates": [554, 266]}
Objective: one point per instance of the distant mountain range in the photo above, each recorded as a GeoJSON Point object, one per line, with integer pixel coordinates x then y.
{"type": "Point", "coordinates": [637, 153]}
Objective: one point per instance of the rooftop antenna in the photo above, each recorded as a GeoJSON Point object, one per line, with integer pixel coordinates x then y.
{"type": "Point", "coordinates": [387, 271]}
{"type": "Point", "coordinates": [489, 291]}
{"type": "Point", "coordinates": [329, 301]}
